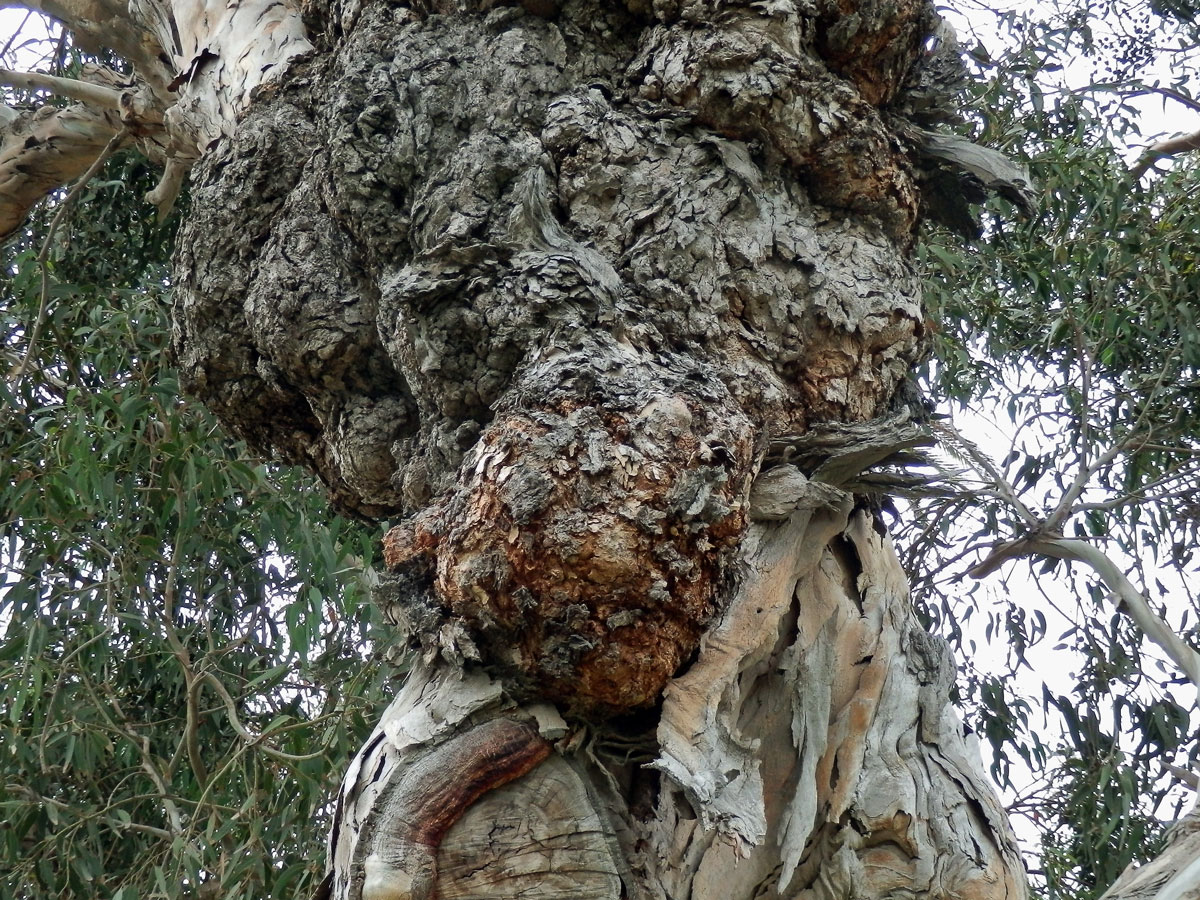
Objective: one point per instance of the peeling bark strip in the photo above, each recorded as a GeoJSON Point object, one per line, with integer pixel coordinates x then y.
{"type": "Point", "coordinates": [432, 794]}
{"type": "Point", "coordinates": [810, 752]}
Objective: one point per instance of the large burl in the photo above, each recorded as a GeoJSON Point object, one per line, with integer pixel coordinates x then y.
{"type": "Point", "coordinates": [542, 290]}
{"type": "Point", "coordinates": [591, 526]}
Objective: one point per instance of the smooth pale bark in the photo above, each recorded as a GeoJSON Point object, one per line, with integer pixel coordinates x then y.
{"type": "Point", "coordinates": [44, 150]}
{"type": "Point", "coordinates": [195, 68]}
{"type": "Point", "coordinates": [1173, 875]}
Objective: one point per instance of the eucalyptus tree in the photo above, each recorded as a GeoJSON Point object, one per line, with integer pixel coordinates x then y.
{"type": "Point", "coordinates": [1079, 329]}
{"type": "Point", "coordinates": [604, 309]}
{"type": "Point", "coordinates": [165, 721]}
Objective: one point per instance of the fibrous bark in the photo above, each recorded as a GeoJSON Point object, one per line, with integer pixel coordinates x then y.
{"type": "Point", "coordinates": [809, 753]}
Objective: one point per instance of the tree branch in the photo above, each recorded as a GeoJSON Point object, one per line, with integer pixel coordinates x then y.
{"type": "Point", "coordinates": [1042, 541]}
{"type": "Point", "coordinates": [254, 740]}
{"type": "Point", "coordinates": [84, 91]}
{"type": "Point", "coordinates": [44, 255]}
{"type": "Point", "coordinates": [1164, 149]}
{"type": "Point", "coordinates": [1168, 92]}
{"type": "Point", "coordinates": [1114, 579]}
{"type": "Point", "coordinates": [40, 153]}
{"type": "Point", "coordinates": [973, 455]}
{"type": "Point", "coordinates": [100, 25]}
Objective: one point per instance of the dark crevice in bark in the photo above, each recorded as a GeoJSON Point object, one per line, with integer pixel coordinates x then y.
{"type": "Point", "coordinates": [851, 567]}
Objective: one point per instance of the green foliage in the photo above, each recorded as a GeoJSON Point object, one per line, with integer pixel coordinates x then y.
{"type": "Point", "coordinates": [1081, 329]}
{"type": "Point", "coordinates": [181, 629]}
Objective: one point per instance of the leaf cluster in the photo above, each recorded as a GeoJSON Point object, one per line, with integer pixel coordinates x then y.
{"type": "Point", "coordinates": [1078, 334]}
{"type": "Point", "coordinates": [183, 638]}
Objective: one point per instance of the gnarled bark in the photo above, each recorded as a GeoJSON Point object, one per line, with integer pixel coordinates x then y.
{"type": "Point", "coordinates": [604, 303]}
{"type": "Point", "coordinates": [809, 752]}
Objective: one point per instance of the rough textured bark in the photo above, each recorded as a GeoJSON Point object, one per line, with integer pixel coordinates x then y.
{"type": "Point", "coordinates": [548, 288]}
{"type": "Point", "coordinates": [809, 752]}
{"type": "Point", "coordinates": [607, 305]}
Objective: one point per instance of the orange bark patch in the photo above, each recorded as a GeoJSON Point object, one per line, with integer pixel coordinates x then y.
{"type": "Point", "coordinates": [874, 43]}
{"type": "Point", "coordinates": [585, 549]}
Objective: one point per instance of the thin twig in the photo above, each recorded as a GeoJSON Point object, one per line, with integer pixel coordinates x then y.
{"type": "Point", "coordinates": [1168, 92]}
{"type": "Point", "coordinates": [254, 740]}
{"type": "Point", "coordinates": [16, 34]}
{"type": "Point", "coordinates": [190, 735]}
{"type": "Point", "coordinates": [955, 439]}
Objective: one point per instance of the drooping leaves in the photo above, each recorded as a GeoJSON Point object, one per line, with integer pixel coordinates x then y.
{"type": "Point", "coordinates": [1069, 353]}
{"type": "Point", "coordinates": [183, 638]}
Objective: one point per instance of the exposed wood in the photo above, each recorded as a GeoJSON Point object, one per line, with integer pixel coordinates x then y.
{"type": "Point", "coordinates": [700, 729]}
{"type": "Point", "coordinates": [809, 752]}
{"type": "Point", "coordinates": [109, 25]}
{"type": "Point", "coordinates": [835, 453]}
{"type": "Point", "coordinates": [513, 843]}
{"type": "Point", "coordinates": [418, 809]}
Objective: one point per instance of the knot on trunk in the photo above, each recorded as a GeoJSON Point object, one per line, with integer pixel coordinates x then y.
{"type": "Point", "coordinates": [586, 544]}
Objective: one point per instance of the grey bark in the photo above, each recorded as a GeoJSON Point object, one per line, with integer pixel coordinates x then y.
{"type": "Point", "coordinates": [554, 291]}
{"type": "Point", "coordinates": [1173, 875]}
{"type": "Point", "coordinates": [608, 307]}
{"type": "Point", "coordinates": [418, 217]}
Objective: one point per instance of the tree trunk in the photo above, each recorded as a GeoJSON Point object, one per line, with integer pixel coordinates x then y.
{"type": "Point", "coordinates": [809, 752]}
{"type": "Point", "coordinates": [607, 306]}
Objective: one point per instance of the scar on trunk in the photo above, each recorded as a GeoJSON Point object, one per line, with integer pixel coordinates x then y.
{"type": "Point", "coordinates": [433, 794]}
